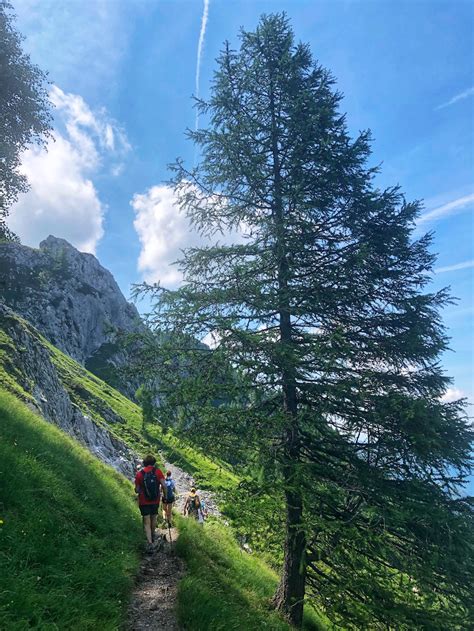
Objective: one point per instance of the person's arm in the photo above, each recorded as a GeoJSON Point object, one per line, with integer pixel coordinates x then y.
{"type": "Point", "coordinates": [138, 484]}
{"type": "Point", "coordinates": [164, 487]}
{"type": "Point", "coordinates": [186, 506]}
{"type": "Point", "coordinates": [161, 478]}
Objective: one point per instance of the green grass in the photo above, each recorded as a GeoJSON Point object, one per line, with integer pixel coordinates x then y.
{"type": "Point", "coordinates": [68, 553]}
{"type": "Point", "coordinates": [226, 588]}
{"type": "Point", "coordinates": [69, 531]}
{"type": "Point", "coordinates": [98, 399]}
{"type": "Point", "coordinates": [209, 474]}
{"type": "Point", "coordinates": [8, 371]}
{"type": "Point", "coordinates": [95, 397]}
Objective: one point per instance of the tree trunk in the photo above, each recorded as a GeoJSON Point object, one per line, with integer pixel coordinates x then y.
{"type": "Point", "coordinates": [289, 597]}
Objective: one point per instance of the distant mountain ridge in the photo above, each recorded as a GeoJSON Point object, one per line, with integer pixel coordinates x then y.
{"type": "Point", "coordinates": [70, 299]}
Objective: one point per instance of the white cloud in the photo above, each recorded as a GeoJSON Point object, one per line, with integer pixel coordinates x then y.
{"type": "Point", "coordinates": [62, 199]}
{"type": "Point", "coordinates": [456, 98]}
{"type": "Point", "coordinates": [109, 137]}
{"type": "Point", "coordinates": [164, 232]}
{"type": "Point", "coordinates": [452, 394]}
{"type": "Point", "coordinates": [451, 208]}
{"type": "Point", "coordinates": [92, 132]}
{"type": "Point", "coordinates": [453, 268]}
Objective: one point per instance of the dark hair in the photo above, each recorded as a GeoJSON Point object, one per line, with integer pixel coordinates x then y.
{"type": "Point", "coordinates": [168, 474]}
{"type": "Point", "coordinates": [149, 460]}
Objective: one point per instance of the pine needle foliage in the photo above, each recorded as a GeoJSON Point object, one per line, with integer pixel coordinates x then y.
{"type": "Point", "coordinates": [25, 113]}
{"type": "Point", "coordinates": [325, 369]}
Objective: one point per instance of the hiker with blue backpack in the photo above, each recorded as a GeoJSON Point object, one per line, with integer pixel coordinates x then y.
{"type": "Point", "coordinates": [170, 498]}
{"type": "Point", "coordinates": [149, 481]}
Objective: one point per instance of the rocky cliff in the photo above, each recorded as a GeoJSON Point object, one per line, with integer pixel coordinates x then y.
{"type": "Point", "coordinates": [72, 300]}
{"type": "Point", "coordinates": [27, 368]}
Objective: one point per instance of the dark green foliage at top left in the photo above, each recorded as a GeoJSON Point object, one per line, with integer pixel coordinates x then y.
{"type": "Point", "coordinates": [24, 113]}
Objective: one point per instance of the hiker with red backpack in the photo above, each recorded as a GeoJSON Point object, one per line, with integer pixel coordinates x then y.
{"type": "Point", "coordinates": [148, 484]}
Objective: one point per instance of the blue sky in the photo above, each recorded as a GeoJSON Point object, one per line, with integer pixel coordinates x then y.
{"type": "Point", "coordinates": [124, 71]}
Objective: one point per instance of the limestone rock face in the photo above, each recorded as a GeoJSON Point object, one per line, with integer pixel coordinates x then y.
{"type": "Point", "coordinates": [71, 299]}
{"type": "Point", "coordinates": [30, 365]}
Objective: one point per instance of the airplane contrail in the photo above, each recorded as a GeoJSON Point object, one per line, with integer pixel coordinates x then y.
{"type": "Point", "coordinates": [202, 34]}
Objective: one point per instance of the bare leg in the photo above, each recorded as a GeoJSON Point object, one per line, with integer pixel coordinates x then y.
{"type": "Point", "coordinates": [147, 527]}
{"type": "Point", "coordinates": [153, 524]}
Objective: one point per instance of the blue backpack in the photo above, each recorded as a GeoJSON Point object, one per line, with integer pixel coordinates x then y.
{"type": "Point", "coordinates": [170, 486]}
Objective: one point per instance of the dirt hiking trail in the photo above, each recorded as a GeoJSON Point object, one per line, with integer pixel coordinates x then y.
{"type": "Point", "coordinates": [154, 599]}
{"type": "Point", "coordinates": [153, 603]}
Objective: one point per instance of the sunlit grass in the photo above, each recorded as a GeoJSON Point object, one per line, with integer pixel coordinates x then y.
{"type": "Point", "coordinates": [226, 588]}
{"type": "Point", "coordinates": [70, 530]}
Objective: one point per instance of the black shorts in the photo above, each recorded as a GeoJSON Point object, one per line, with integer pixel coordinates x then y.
{"type": "Point", "coordinates": [148, 509]}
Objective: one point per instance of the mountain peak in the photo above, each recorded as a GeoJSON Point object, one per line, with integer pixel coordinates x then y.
{"type": "Point", "coordinates": [69, 297]}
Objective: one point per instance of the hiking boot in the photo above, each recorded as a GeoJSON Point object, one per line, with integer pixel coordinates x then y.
{"type": "Point", "coordinates": [150, 548]}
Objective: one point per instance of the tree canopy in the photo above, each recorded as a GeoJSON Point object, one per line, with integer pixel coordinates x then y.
{"type": "Point", "coordinates": [25, 112]}
{"type": "Point", "coordinates": [325, 375]}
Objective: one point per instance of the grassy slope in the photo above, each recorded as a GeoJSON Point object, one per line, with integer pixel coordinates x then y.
{"type": "Point", "coordinates": [225, 588]}
{"type": "Point", "coordinates": [69, 531]}
{"type": "Point", "coordinates": [78, 381]}
{"type": "Point", "coordinates": [8, 371]}
{"type": "Point", "coordinates": [95, 397]}
{"type": "Point", "coordinates": [240, 596]}
{"type": "Point", "coordinates": [91, 394]}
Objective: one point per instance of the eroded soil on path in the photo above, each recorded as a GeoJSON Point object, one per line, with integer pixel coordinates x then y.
{"type": "Point", "coordinates": [154, 599]}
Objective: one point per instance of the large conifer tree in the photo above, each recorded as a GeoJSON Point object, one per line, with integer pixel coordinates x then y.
{"type": "Point", "coordinates": [331, 343]}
